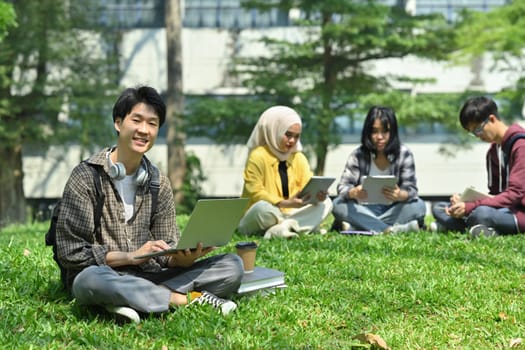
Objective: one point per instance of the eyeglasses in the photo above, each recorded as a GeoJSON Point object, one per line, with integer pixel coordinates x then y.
{"type": "Point", "coordinates": [479, 130]}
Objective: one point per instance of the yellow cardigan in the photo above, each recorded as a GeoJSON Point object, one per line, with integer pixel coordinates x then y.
{"type": "Point", "coordinates": [262, 180]}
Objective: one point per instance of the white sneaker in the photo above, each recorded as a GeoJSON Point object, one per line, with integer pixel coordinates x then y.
{"type": "Point", "coordinates": [480, 229]}
{"type": "Point", "coordinates": [436, 227]}
{"type": "Point", "coordinates": [411, 226]}
{"type": "Point", "coordinates": [345, 226]}
{"type": "Point", "coordinates": [282, 230]}
{"type": "Point", "coordinates": [291, 224]}
{"type": "Point", "coordinates": [124, 313]}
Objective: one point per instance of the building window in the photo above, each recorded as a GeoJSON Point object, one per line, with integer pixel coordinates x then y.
{"type": "Point", "coordinates": [129, 14]}
{"type": "Point", "coordinates": [121, 14]}
{"type": "Point", "coordinates": [450, 8]}
{"type": "Point", "coordinates": [229, 14]}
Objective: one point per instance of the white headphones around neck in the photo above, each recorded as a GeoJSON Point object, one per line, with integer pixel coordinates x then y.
{"type": "Point", "coordinates": [117, 171]}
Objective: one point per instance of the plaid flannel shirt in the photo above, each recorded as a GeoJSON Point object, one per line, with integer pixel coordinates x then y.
{"type": "Point", "coordinates": [358, 165]}
{"type": "Point", "coordinates": [77, 245]}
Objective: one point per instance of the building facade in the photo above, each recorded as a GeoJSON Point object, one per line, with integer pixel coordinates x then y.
{"type": "Point", "coordinates": [214, 32]}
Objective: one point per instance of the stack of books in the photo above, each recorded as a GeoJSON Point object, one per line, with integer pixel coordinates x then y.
{"type": "Point", "coordinates": [261, 279]}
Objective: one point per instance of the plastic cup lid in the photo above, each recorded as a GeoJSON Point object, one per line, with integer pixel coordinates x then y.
{"type": "Point", "coordinates": [246, 245]}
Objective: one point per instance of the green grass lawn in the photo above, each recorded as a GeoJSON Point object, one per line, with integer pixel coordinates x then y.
{"type": "Point", "coordinates": [416, 291]}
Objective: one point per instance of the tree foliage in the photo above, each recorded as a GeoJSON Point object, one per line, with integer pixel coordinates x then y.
{"type": "Point", "coordinates": [500, 31]}
{"type": "Point", "coordinates": [500, 35]}
{"type": "Point", "coordinates": [53, 69]}
{"type": "Point", "coordinates": [56, 69]}
{"type": "Point", "coordinates": [7, 18]}
{"type": "Point", "coordinates": [224, 120]}
{"type": "Point", "coordinates": [326, 72]}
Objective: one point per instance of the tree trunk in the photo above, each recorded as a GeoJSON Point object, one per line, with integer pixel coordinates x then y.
{"type": "Point", "coordinates": [327, 115]}
{"type": "Point", "coordinates": [321, 152]}
{"type": "Point", "coordinates": [12, 200]}
{"type": "Point", "coordinates": [176, 138]}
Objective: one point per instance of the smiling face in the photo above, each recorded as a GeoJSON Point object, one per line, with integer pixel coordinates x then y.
{"type": "Point", "coordinates": [290, 138]}
{"type": "Point", "coordinates": [138, 130]}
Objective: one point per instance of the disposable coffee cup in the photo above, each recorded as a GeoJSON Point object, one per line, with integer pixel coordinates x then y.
{"type": "Point", "coordinates": [247, 252]}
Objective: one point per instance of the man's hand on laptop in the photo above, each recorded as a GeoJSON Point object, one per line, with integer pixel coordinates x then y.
{"type": "Point", "coordinates": [148, 247]}
{"type": "Point", "coordinates": [186, 257]}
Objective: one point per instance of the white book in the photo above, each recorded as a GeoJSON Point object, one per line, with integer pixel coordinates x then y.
{"type": "Point", "coordinates": [470, 194]}
{"type": "Point", "coordinates": [373, 185]}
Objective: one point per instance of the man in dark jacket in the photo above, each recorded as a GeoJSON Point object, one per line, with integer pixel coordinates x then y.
{"type": "Point", "coordinates": [504, 212]}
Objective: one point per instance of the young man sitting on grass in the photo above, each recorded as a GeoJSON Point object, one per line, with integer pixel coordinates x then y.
{"type": "Point", "coordinates": [504, 213]}
{"type": "Point", "coordinates": [100, 265]}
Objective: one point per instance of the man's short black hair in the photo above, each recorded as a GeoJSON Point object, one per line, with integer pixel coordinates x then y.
{"type": "Point", "coordinates": [476, 109]}
{"type": "Point", "coordinates": [142, 94]}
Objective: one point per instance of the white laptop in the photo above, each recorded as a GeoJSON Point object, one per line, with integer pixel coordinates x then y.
{"type": "Point", "coordinates": [212, 223]}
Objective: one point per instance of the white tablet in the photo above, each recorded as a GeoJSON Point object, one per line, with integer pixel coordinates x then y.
{"type": "Point", "coordinates": [373, 185]}
{"type": "Point", "coordinates": [315, 185]}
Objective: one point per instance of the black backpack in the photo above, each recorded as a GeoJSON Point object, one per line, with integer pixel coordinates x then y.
{"type": "Point", "coordinates": [507, 148]}
{"type": "Point", "coordinates": [96, 170]}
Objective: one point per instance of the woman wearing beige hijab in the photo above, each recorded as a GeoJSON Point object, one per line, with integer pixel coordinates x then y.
{"type": "Point", "coordinates": [275, 172]}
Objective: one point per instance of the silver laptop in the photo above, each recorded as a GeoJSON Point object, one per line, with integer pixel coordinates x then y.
{"type": "Point", "coordinates": [212, 222]}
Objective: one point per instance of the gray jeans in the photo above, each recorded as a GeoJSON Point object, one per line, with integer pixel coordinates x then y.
{"type": "Point", "coordinates": [150, 292]}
